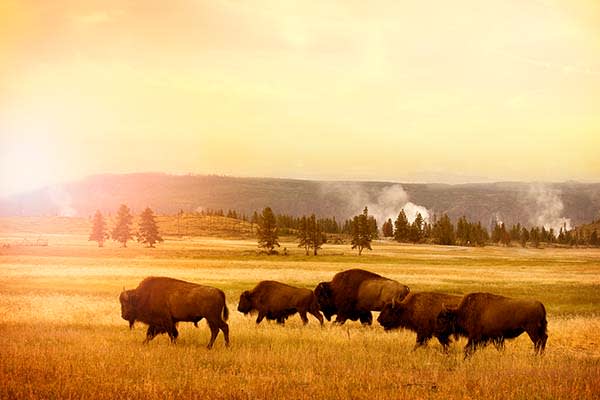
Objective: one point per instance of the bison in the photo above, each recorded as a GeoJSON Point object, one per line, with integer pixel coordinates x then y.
{"type": "Point", "coordinates": [162, 302]}
{"type": "Point", "coordinates": [418, 312]}
{"type": "Point", "coordinates": [277, 301]}
{"type": "Point", "coordinates": [354, 293]}
{"type": "Point", "coordinates": [486, 317]}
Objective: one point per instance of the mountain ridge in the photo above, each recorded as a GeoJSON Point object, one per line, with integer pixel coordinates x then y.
{"type": "Point", "coordinates": [529, 203]}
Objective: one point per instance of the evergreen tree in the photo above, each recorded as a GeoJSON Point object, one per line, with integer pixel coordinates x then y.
{"type": "Point", "coordinates": [401, 227]}
{"type": "Point", "coordinates": [387, 228]}
{"type": "Point", "coordinates": [122, 229]}
{"type": "Point", "coordinates": [534, 236]}
{"type": "Point", "coordinates": [416, 229]}
{"type": "Point", "coordinates": [99, 229]}
{"type": "Point", "coordinates": [594, 241]}
{"type": "Point", "coordinates": [267, 231]}
{"type": "Point", "coordinates": [315, 234]}
{"type": "Point", "coordinates": [372, 222]}
{"type": "Point", "coordinates": [148, 230]}
{"type": "Point", "coordinates": [303, 234]}
{"type": "Point", "coordinates": [524, 237]}
{"type": "Point", "coordinates": [504, 235]}
{"type": "Point", "coordinates": [361, 232]}
{"type": "Point", "coordinates": [462, 231]}
{"type": "Point", "coordinates": [443, 231]}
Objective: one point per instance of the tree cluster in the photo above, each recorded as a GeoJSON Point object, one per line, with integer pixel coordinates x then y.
{"type": "Point", "coordinates": [122, 231]}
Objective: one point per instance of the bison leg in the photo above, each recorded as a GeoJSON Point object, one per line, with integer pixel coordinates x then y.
{"type": "Point", "coordinates": [303, 317]}
{"type": "Point", "coordinates": [318, 316]}
{"type": "Point", "coordinates": [539, 340]}
{"type": "Point", "coordinates": [214, 331]}
{"type": "Point", "coordinates": [366, 318]}
{"type": "Point", "coordinates": [281, 320]}
{"type": "Point", "coordinates": [151, 333]}
{"type": "Point", "coordinates": [261, 316]}
{"type": "Point", "coordinates": [173, 333]}
{"type": "Point", "coordinates": [470, 347]}
{"type": "Point", "coordinates": [225, 328]}
{"type": "Point", "coordinates": [444, 341]}
{"type": "Point", "coordinates": [421, 341]}
{"type": "Point", "coordinates": [340, 319]}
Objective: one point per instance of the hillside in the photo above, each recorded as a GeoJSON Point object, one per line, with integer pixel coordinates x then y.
{"type": "Point", "coordinates": [527, 203]}
{"type": "Point", "coordinates": [183, 225]}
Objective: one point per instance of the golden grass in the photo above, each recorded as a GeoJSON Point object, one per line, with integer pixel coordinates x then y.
{"type": "Point", "coordinates": [61, 335]}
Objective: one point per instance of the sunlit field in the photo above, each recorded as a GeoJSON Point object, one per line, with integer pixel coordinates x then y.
{"type": "Point", "coordinates": [61, 335]}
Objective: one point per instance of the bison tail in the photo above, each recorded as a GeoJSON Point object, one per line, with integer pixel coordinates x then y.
{"type": "Point", "coordinates": [225, 312]}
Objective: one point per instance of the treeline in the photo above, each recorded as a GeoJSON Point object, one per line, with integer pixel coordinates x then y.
{"type": "Point", "coordinates": [122, 230]}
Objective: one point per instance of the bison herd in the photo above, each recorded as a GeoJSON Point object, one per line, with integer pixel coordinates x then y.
{"type": "Point", "coordinates": [352, 295]}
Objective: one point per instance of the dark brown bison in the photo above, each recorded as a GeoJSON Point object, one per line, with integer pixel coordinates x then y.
{"type": "Point", "coordinates": [418, 312]}
{"type": "Point", "coordinates": [277, 301]}
{"type": "Point", "coordinates": [354, 293]}
{"type": "Point", "coordinates": [486, 317]}
{"type": "Point", "coordinates": [163, 302]}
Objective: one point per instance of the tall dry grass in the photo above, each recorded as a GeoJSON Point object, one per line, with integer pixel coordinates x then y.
{"type": "Point", "coordinates": [61, 335]}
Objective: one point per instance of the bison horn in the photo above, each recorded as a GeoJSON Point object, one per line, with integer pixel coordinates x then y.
{"type": "Point", "coordinates": [394, 302]}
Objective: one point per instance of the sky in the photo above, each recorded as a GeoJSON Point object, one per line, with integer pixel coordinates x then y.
{"type": "Point", "coordinates": [404, 91]}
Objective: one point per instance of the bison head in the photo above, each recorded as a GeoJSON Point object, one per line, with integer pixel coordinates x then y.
{"type": "Point", "coordinates": [324, 296]}
{"type": "Point", "coordinates": [128, 300]}
{"type": "Point", "coordinates": [245, 305]}
{"type": "Point", "coordinates": [447, 319]}
{"type": "Point", "coordinates": [391, 315]}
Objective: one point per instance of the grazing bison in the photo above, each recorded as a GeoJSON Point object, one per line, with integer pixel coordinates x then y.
{"type": "Point", "coordinates": [163, 302]}
{"type": "Point", "coordinates": [354, 293]}
{"type": "Point", "coordinates": [486, 317]}
{"type": "Point", "coordinates": [418, 312]}
{"type": "Point", "coordinates": [277, 301]}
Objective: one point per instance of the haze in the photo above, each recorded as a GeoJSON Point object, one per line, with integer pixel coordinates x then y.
{"type": "Point", "coordinates": [417, 91]}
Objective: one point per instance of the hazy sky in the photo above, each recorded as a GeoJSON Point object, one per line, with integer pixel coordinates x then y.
{"type": "Point", "coordinates": [419, 91]}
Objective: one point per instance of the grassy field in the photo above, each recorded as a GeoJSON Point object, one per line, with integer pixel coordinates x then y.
{"type": "Point", "coordinates": [61, 335]}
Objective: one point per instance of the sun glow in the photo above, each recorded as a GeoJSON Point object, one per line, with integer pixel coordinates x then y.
{"type": "Point", "coordinates": [28, 162]}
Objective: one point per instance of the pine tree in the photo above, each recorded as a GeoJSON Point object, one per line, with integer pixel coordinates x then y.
{"type": "Point", "coordinates": [267, 231]}
{"type": "Point", "coordinates": [443, 231]}
{"type": "Point", "coordinates": [361, 232]}
{"type": "Point", "coordinates": [534, 236]}
{"type": "Point", "coordinates": [387, 228]}
{"type": "Point", "coordinates": [524, 237]}
{"type": "Point", "coordinates": [303, 234]}
{"type": "Point", "coordinates": [98, 229]}
{"type": "Point", "coordinates": [401, 227]}
{"type": "Point", "coordinates": [315, 234]}
{"type": "Point", "coordinates": [594, 241]}
{"type": "Point", "coordinates": [416, 229]}
{"type": "Point", "coordinates": [372, 222]}
{"type": "Point", "coordinates": [148, 230]}
{"type": "Point", "coordinates": [122, 229]}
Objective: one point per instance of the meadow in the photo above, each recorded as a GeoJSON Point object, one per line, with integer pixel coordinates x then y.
{"type": "Point", "coordinates": [61, 334]}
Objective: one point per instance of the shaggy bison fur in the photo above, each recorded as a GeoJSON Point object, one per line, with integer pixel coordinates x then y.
{"type": "Point", "coordinates": [277, 301]}
{"type": "Point", "coordinates": [354, 293]}
{"type": "Point", "coordinates": [486, 317]}
{"type": "Point", "coordinates": [418, 312]}
{"type": "Point", "coordinates": [163, 302]}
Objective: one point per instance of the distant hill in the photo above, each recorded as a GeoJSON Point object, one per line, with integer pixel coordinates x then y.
{"type": "Point", "coordinates": [510, 202]}
{"type": "Point", "coordinates": [168, 225]}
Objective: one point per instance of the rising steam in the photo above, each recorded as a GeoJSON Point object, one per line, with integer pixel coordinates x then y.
{"type": "Point", "coordinates": [548, 208]}
{"type": "Point", "coordinates": [390, 201]}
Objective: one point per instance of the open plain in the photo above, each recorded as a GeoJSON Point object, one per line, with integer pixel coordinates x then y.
{"type": "Point", "coordinates": [61, 334]}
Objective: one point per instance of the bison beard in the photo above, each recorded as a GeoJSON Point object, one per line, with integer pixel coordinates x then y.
{"type": "Point", "coordinates": [418, 312]}
{"type": "Point", "coordinates": [354, 293]}
{"type": "Point", "coordinates": [485, 318]}
{"type": "Point", "coordinates": [277, 301]}
{"type": "Point", "coordinates": [163, 302]}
